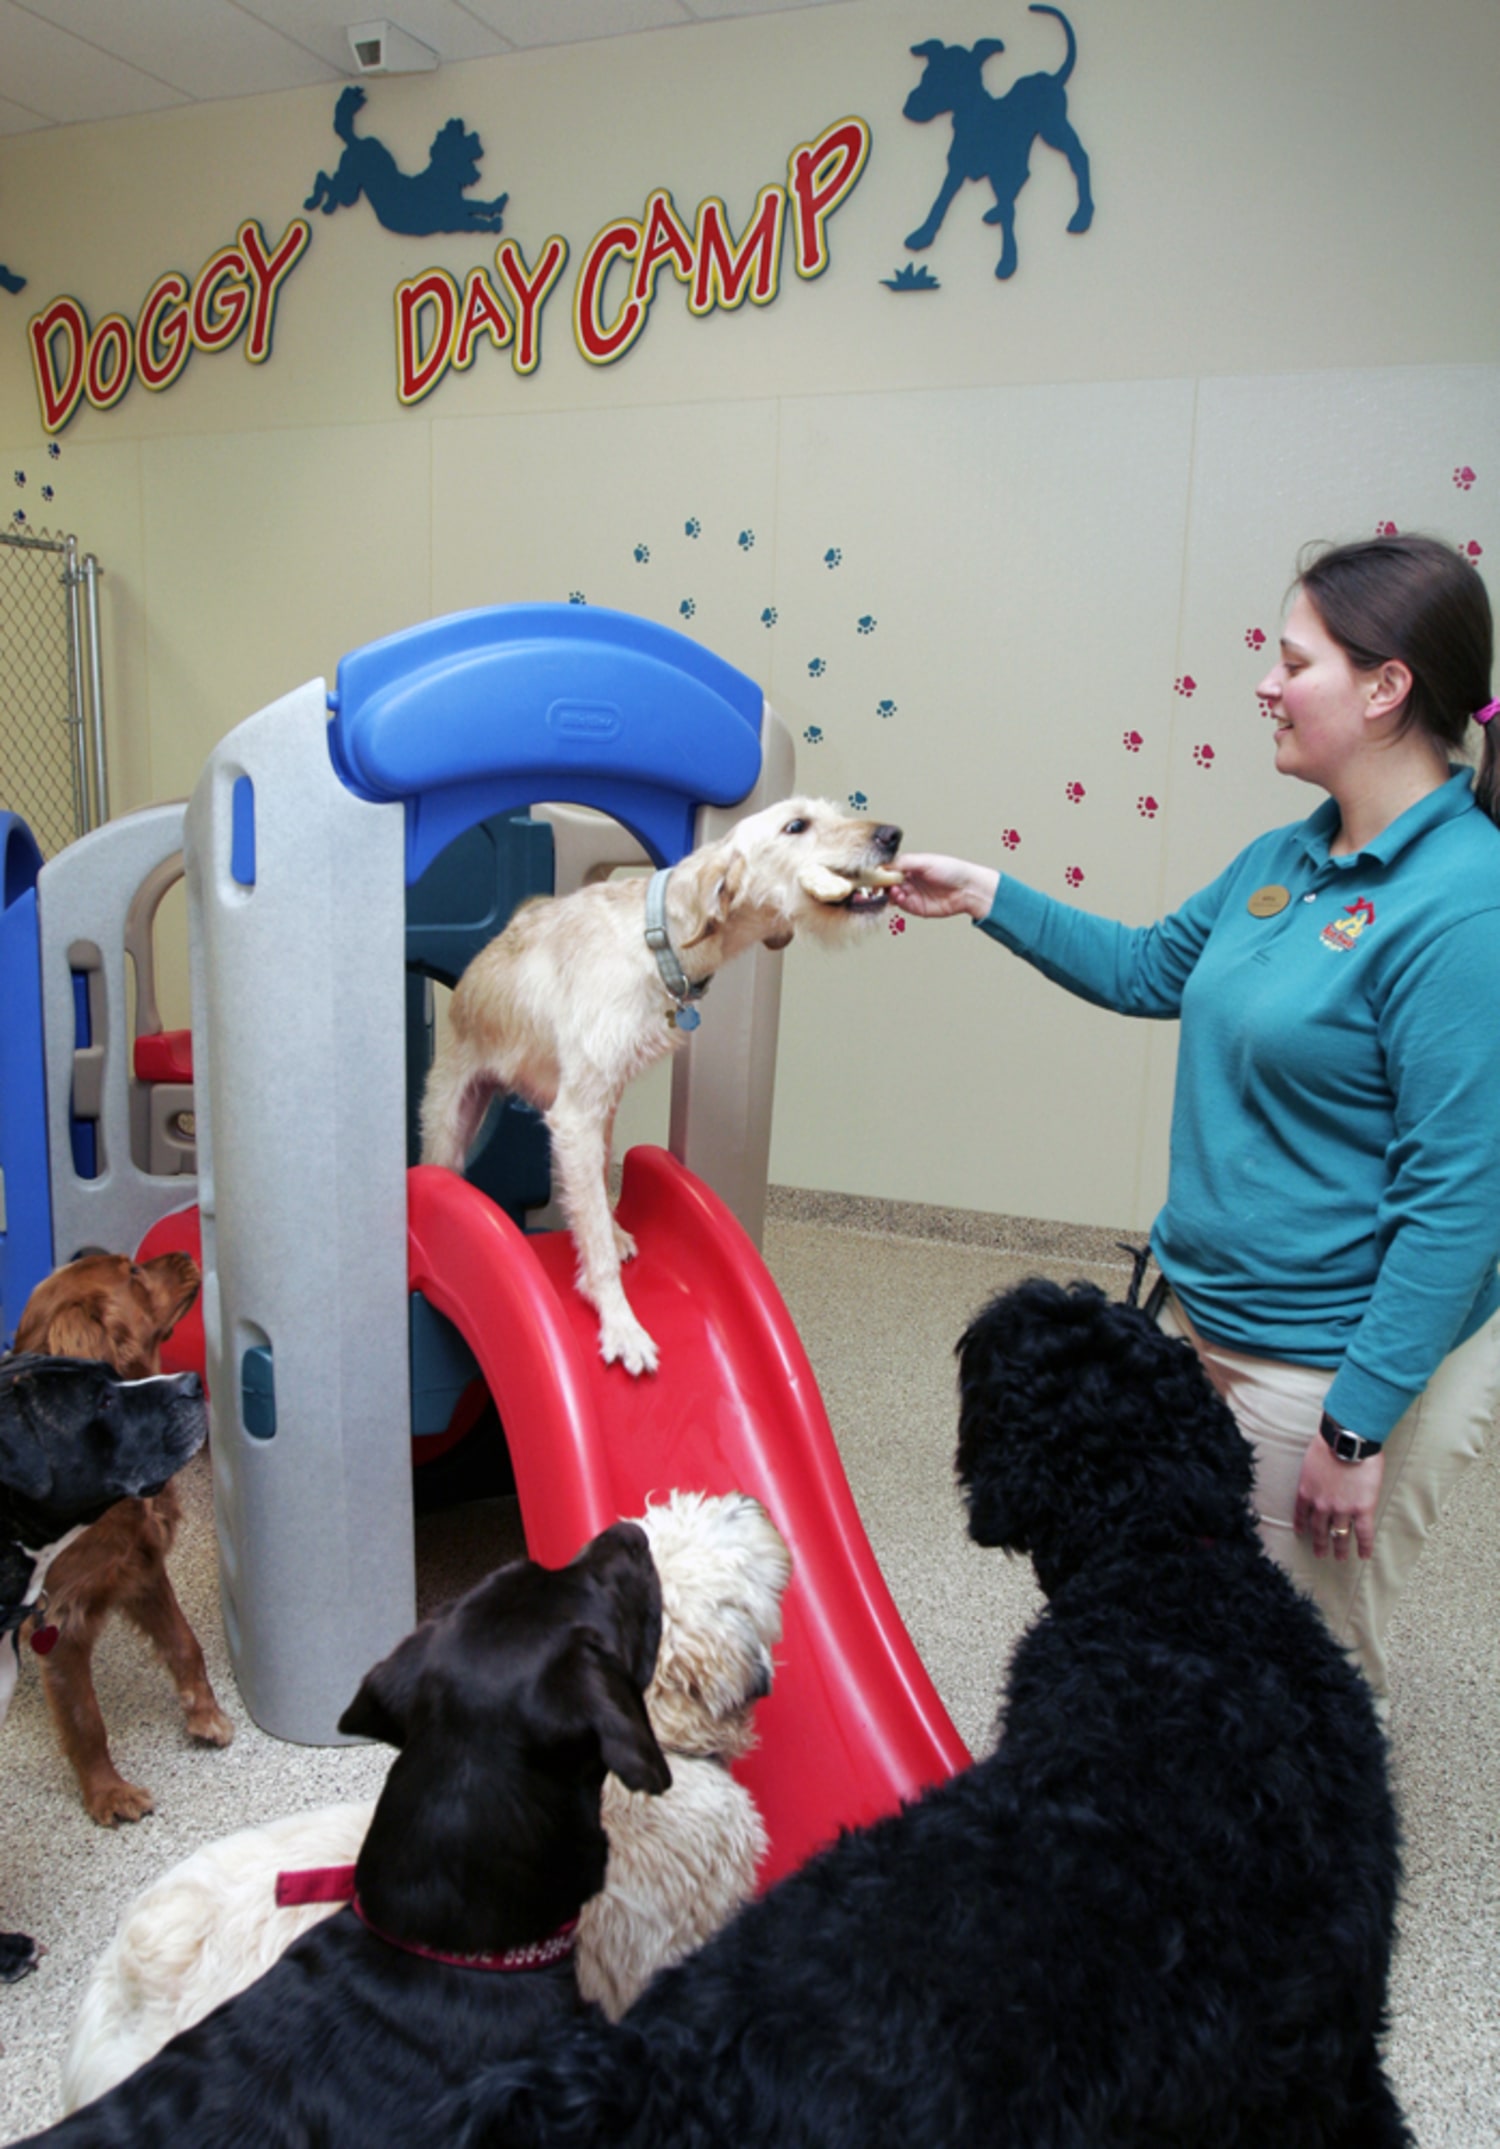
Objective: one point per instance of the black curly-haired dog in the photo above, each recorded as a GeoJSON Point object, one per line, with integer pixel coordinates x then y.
{"type": "Point", "coordinates": [1159, 1913]}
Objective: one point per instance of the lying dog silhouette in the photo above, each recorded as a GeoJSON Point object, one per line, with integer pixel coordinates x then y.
{"type": "Point", "coordinates": [992, 136]}
{"type": "Point", "coordinates": [415, 204]}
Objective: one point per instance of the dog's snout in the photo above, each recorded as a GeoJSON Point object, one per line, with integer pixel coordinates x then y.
{"type": "Point", "coordinates": [190, 1386]}
{"type": "Point", "coordinates": [887, 840]}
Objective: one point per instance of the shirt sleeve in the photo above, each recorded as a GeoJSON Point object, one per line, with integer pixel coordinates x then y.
{"type": "Point", "coordinates": [1132, 970]}
{"type": "Point", "coordinates": [1439, 1028]}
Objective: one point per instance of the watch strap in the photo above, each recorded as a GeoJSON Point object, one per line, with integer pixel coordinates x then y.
{"type": "Point", "coordinates": [1346, 1446]}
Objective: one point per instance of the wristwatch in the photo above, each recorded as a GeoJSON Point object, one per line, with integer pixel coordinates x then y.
{"type": "Point", "coordinates": [1347, 1446]}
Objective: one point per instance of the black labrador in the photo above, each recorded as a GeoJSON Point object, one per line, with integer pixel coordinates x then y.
{"type": "Point", "coordinates": [506, 1709]}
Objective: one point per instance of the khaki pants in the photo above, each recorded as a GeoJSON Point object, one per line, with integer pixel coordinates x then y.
{"type": "Point", "coordinates": [1277, 1408]}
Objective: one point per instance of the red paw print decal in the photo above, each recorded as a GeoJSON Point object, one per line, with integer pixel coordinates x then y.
{"type": "Point", "coordinates": [1472, 550]}
{"type": "Point", "coordinates": [1074, 793]}
{"type": "Point", "coordinates": [1266, 708]}
{"type": "Point", "coordinates": [1463, 478]}
{"type": "Point", "coordinates": [1011, 839]}
{"type": "Point", "coordinates": [1074, 876]}
{"type": "Point", "coordinates": [1385, 529]}
{"type": "Point", "coordinates": [1254, 638]}
{"type": "Point", "coordinates": [1204, 756]}
{"type": "Point", "coordinates": [1146, 806]}
{"type": "Point", "coordinates": [1133, 742]}
{"type": "Point", "coordinates": [1187, 686]}
{"type": "Point", "coordinates": [898, 924]}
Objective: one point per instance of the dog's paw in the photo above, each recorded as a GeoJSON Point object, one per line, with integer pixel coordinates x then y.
{"type": "Point", "coordinates": [625, 1246]}
{"type": "Point", "coordinates": [623, 1341]}
{"type": "Point", "coordinates": [207, 1721]}
{"type": "Point", "coordinates": [117, 1800]}
{"type": "Point", "coordinates": [19, 1956]}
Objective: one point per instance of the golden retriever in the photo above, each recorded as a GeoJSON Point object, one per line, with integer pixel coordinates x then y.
{"type": "Point", "coordinates": [570, 1003]}
{"type": "Point", "coordinates": [108, 1307]}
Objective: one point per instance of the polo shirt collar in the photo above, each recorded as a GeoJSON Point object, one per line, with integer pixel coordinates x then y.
{"type": "Point", "coordinates": [1444, 804]}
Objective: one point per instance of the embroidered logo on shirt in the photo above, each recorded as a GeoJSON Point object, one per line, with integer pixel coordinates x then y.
{"type": "Point", "coordinates": [1344, 932]}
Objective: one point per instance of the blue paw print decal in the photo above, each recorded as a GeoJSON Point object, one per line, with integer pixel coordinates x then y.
{"type": "Point", "coordinates": [692, 527]}
{"type": "Point", "coordinates": [867, 624]}
{"type": "Point", "coordinates": [576, 596]}
{"type": "Point", "coordinates": [641, 555]}
{"type": "Point", "coordinates": [768, 616]}
{"type": "Point", "coordinates": [814, 735]}
{"type": "Point", "coordinates": [858, 801]}
{"type": "Point", "coordinates": [54, 450]}
{"type": "Point", "coordinates": [687, 608]}
{"type": "Point", "coordinates": [816, 668]}
{"type": "Point", "coordinates": [19, 517]}
{"type": "Point", "coordinates": [20, 477]}
{"type": "Point", "coordinates": [885, 708]}
{"type": "Point", "coordinates": [833, 557]}
{"type": "Point", "coordinates": [48, 493]}
{"type": "Point", "coordinates": [745, 540]}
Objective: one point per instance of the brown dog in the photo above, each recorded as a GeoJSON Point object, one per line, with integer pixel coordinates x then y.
{"type": "Point", "coordinates": [109, 1307]}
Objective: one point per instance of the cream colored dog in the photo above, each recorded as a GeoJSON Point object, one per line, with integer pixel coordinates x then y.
{"type": "Point", "coordinates": [679, 1864]}
{"type": "Point", "coordinates": [570, 1003]}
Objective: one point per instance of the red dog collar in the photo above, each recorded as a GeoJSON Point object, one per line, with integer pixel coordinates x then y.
{"type": "Point", "coordinates": [335, 1884]}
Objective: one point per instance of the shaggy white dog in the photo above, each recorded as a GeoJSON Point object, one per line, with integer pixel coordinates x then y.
{"type": "Point", "coordinates": [679, 1865]}
{"type": "Point", "coordinates": [574, 1000]}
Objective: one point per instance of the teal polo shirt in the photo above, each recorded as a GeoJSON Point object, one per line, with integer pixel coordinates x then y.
{"type": "Point", "coordinates": [1334, 1191]}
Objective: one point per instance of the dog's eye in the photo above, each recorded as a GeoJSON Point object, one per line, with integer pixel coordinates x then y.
{"type": "Point", "coordinates": [795, 828]}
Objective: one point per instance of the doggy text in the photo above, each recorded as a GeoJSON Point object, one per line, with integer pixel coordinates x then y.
{"type": "Point", "coordinates": [234, 293]}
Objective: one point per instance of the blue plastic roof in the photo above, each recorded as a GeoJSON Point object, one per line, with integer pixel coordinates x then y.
{"type": "Point", "coordinates": [486, 711]}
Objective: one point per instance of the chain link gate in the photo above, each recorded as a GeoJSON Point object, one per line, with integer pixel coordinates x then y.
{"type": "Point", "coordinates": [52, 765]}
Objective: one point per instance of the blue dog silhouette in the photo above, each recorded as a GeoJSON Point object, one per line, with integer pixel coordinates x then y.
{"type": "Point", "coordinates": [992, 136]}
{"type": "Point", "coordinates": [415, 204]}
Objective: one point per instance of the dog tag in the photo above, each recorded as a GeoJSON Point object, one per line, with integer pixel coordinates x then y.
{"type": "Point", "coordinates": [684, 1018]}
{"type": "Point", "coordinates": [44, 1640]}
{"type": "Point", "coordinates": [1268, 900]}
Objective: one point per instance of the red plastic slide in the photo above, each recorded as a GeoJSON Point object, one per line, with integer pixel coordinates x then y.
{"type": "Point", "coordinates": [854, 1725]}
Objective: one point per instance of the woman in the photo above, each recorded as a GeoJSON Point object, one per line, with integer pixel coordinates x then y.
{"type": "Point", "coordinates": [1332, 1223]}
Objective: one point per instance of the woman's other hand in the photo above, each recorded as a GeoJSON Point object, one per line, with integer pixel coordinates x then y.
{"type": "Point", "coordinates": [1336, 1502]}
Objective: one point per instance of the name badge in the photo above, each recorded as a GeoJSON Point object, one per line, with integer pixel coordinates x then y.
{"type": "Point", "coordinates": [1268, 900]}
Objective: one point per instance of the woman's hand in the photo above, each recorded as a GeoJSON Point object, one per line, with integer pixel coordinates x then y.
{"type": "Point", "coordinates": [1336, 1501]}
{"type": "Point", "coordinates": [936, 887]}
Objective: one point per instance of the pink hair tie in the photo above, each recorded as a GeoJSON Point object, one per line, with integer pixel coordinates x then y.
{"type": "Point", "coordinates": [1491, 708]}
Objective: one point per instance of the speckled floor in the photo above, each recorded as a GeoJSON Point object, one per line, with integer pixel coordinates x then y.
{"type": "Point", "coordinates": [879, 1293]}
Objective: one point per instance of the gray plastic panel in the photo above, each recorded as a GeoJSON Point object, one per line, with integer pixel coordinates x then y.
{"type": "Point", "coordinates": [85, 894]}
{"type": "Point", "coordinates": [299, 1064]}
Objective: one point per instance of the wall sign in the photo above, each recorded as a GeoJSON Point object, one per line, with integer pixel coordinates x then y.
{"type": "Point", "coordinates": [233, 294]}
{"type": "Point", "coordinates": [439, 326]}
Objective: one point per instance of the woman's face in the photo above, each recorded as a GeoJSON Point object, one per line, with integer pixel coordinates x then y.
{"type": "Point", "coordinates": [1319, 701]}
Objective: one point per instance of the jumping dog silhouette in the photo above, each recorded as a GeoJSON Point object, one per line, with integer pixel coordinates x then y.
{"type": "Point", "coordinates": [413, 203]}
{"type": "Point", "coordinates": [992, 136]}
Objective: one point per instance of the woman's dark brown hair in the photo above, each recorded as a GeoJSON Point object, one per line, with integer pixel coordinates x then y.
{"type": "Point", "coordinates": [1417, 599]}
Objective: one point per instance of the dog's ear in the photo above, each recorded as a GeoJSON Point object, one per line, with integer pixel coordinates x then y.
{"type": "Point", "coordinates": [604, 1697]}
{"type": "Point", "coordinates": [383, 1707]}
{"type": "Point", "coordinates": [77, 1329]}
{"type": "Point", "coordinates": [25, 1467]}
{"type": "Point", "coordinates": [718, 900]}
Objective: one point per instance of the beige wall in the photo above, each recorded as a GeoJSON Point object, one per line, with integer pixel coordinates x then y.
{"type": "Point", "coordinates": [1055, 498]}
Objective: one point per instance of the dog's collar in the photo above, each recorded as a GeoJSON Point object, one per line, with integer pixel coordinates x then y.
{"type": "Point", "coordinates": [335, 1884]}
{"type": "Point", "coordinates": [683, 1015]}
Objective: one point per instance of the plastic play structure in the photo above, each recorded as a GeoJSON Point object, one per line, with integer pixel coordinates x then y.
{"type": "Point", "coordinates": [348, 1297]}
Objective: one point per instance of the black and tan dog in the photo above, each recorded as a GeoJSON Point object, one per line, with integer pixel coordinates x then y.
{"type": "Point", "coordinates": [506, 1709]}
{"type": "Point", "coordinates": [1160, 1912]}
{"type": "Point", "coordinates": [74, 1439]}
